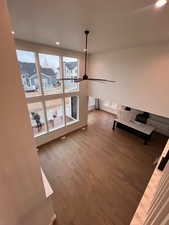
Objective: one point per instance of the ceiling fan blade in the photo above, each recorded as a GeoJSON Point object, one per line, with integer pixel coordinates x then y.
{"type": "Point", "coordinates": [70, 79]}
{"type": "Point", "coordinates": [102, 80]}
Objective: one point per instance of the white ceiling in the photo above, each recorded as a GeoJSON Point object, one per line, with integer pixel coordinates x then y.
{"type": "Point", "coordinates": [114, 24]}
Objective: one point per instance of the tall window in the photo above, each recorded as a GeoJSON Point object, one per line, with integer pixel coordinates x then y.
{"type": "Point", "coordinates": [51, 105]}
{"type": "Point", "coordinates": [71, 70]}
{"type": "Point", "coordinates": [50, 73]}
{"type": "Point", "coordinates": [71, 109]}
{"type": "Point", "coordinates": [55, 113]}
{"type": "Point", "coordinates": [29, 76]}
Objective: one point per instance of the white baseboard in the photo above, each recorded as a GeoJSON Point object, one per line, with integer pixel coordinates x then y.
{"type": "Point", "coordinates": [91, 108]}
{"type": "Point", "coordinates": [108, 109]}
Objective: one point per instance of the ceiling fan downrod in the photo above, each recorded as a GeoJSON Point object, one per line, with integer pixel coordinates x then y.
{"type": "Point", "coordinates": [85, 77]}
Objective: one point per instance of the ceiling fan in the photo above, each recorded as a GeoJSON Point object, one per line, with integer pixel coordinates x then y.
{"type": "Point", "coordinates": [85, 76]}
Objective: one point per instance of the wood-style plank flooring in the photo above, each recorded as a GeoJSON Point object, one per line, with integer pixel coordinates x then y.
{"type": "Point", "coordinates": [98, 175]}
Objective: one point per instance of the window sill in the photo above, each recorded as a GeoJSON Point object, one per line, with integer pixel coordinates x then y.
{"type": "Point", "coordinates": [72, 122]}
{"type": "Point", "coordinates": [57, 128]}
{"type": "Point", "coordinates": [37, 135]}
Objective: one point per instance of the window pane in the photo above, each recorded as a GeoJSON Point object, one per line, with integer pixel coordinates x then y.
{"type": "Point", "coordinates": [71, 70]}
{"type": "Point", "coordinates": [55, 113]}
{"type": "Point", "coordinates": [50, 72]}
{"type": "Point", "coordinates": [72, 109]}
{"type": "Point", "coordinates": [28, 72]}
{"type": "Point", "coordinates": [37, 118]}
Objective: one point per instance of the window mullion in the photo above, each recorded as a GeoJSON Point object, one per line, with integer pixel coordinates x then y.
{"type": "Point", "coordinates": [41, 87]}
{"type": "Point", "coordinates": [38, 72]}
{"type": "Point", "coordinates": [63, 83]}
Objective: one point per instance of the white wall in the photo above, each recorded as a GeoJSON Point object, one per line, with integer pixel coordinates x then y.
{"type": "Point", "coordinates": [22, 196]}
{"type": "Point", "coordinates": [109, 106]}
{"type": "Point", "coordinates": [142, 76]}
{"type": "Point", "coordinates": [91, 103]}
{"type": "Point", "coordinates": [83, 103]}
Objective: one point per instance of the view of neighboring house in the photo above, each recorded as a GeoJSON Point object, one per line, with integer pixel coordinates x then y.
{"type": "Point", "coordinates": [49, 76]}
{"type": "Point", "coordinates": [30, 78]}
{"type": "Point", "coordinates": [71, 69]}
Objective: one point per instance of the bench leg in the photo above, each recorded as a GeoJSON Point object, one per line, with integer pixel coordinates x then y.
{"type": "Point", "coordinates": [146, 139]}
{"type": "Point", "coordinates": [114, 125]}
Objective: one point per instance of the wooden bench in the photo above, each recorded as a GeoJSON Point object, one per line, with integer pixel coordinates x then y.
{"type": "Point", "coordinates": [143, 130]}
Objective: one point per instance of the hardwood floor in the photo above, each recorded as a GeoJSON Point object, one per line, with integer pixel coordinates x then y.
{"type": "Point", "coordinates": [98, 175]}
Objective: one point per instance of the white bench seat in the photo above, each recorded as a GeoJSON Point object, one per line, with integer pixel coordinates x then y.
{"type": "Point", "coordinates": [144, 130]}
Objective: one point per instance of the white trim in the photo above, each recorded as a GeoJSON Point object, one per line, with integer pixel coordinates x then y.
{"type": "Point", "coordinates": [53, 219]}
{"type": "Point", "coordinates": [51, 97]}
{"type": "Point", "coordinates": [47, 49]}
{"type": "Point", "coordinates": [42, 90]}
{"type": "Point", "coordinates": [62, 75]}
{"type": "Point", "coordinates": [72, 122]}
{"type": "Point", "coordinates": [56, 128]}
{"type": "Point", "coordinates": [47, 187]}
{"type": "Point", "coordinates": [40, 134]}
{"type": "Point", "coordinates": [43, 139]}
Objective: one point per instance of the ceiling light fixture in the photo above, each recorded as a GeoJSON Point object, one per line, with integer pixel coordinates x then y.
{"type": "Point", "coordinates": [160, 3]}
{"type": "Point", "coordinates": [13, 32]}
{"type": "Point", "coordinates": [57, 43]}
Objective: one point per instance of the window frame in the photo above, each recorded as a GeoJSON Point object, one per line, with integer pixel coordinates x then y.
{"type": "Point", "coordinates": [77, 120]}
{"type": "Point", "coordinates": [43, 97]}
{"type": "Point", "coordinates": [78, 72]}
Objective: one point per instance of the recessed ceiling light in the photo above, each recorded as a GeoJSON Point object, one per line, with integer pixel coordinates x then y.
{"type": "Point", "coordinates": [12, 32]}
{"type": "Point", "coordinates": [160, 3]}
{"type": "Point", "coordinates": [57, 43]}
